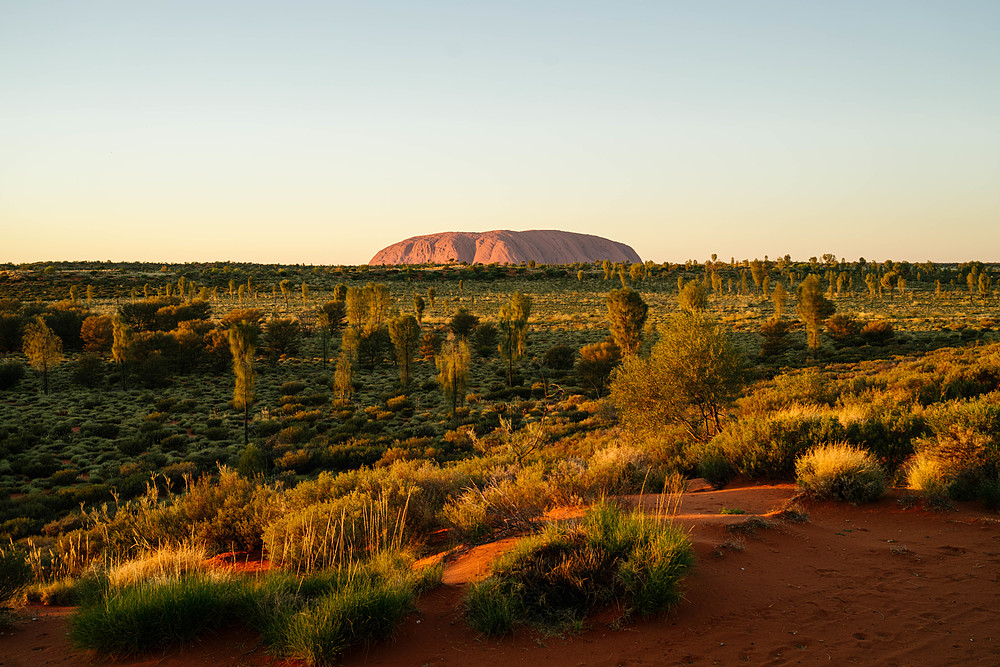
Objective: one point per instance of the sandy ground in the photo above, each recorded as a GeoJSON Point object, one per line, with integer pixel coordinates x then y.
{"type": "Point", "coordinates": [874, 584]}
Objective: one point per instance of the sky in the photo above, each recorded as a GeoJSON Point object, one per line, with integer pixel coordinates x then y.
{"type": "Point", "coordinates": [320, 132]}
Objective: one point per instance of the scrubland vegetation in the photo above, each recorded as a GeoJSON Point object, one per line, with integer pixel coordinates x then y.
{"type": "Point", "coordinates": [341, 421]}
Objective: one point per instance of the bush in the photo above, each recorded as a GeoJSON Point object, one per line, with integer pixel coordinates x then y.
{"type": "Point", "coordinates": [291, 388]}
{"type": "Point", "coordinates": [11, 372]}
{"type": "Point", "coordinates": [504, 505]}
{"type": "Point", "coordinates": [88, 371]}
{"type": "Point", "coordinates": [840, 472]}
{"type": "Point", "coordinates": [843, 328]}
{"type": "Point", "coordinates": [766, 448]}
{"type": "Point", "coordinates": [15, 575]}
{"type": "Point", "coordinates": [557, 577]}
{"type": "Point", "coordinates": [877, 333]}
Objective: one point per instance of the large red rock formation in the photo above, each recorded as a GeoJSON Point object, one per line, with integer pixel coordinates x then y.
{"type": "Point", "coordinates": [505, 247]}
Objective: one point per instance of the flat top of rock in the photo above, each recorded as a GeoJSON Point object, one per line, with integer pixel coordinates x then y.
{"type": "Point", "coordinates": [545, 246]}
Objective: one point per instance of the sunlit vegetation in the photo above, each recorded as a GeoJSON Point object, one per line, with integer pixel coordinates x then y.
{"type": "Point", "coordinates": [339, 422]}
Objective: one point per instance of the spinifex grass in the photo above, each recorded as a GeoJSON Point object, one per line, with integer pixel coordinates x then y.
{"type": "Point", "coordinates": [840, 471]}
{"type": "Point", "coordinates": [555, 578]}
{"type": "Point", "coordinates": [155, 614]}
{"type": "Point", "coordinates": [312, 618]}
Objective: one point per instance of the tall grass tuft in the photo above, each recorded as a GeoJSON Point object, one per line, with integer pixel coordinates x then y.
{"type": "Point", "coordinates": [928, 477]}
{"type": "Point", "coordinates": [362, 610]}
{"type": "Point", "coordinates": [840, 471]}
{"type": "Point", "coordinates": [558, 576]}
{"type": "Point", "coordinates": [156, 614]}
{"type": "Point", "coordinates": [334, 533]}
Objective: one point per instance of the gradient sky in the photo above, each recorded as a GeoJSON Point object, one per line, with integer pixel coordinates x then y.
{"type": "Point", "coordinates": [319, 132]}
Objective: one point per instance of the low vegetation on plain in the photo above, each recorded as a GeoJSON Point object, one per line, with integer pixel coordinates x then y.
{"type": "Point", "coordinates": [338, 422]}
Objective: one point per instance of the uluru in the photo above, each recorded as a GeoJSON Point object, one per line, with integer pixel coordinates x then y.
{"type": "Point", "coordinates": [545, 246]}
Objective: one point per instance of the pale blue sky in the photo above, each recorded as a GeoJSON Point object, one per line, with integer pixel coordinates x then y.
{"type": "Point", "coordinates": [319, 132]}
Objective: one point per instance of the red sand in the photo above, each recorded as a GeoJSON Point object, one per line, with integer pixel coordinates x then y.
{"type": "Point", "coordinates": [874, 584]}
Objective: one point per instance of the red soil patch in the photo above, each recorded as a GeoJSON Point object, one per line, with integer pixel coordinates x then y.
{"type": "Point", "coordinates": [874, 584]}
{"type": "Point", "coordinates": [239, 562]}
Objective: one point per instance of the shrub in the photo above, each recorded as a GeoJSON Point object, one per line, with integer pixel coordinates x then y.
{"type": "Point", "coordinates": [15, 574]}
{"type": "Point", "coordinates": [11, 372]}
{"type": "Point", "coordinates": [291, 388]}
{"type": "Point", "coordinates": [843, 328]}
{"type": "Point", "coordinates": [767, 448]}
{"type": "Point", "coordinates": [877, 333]}
{"type": "Point", "coordinates": [840, 472]}
{"type": "Point", "coordinates": [88, 371]}
{"type": "Point", "coordinates": [504, 505]}
{"type": "Point", "coordinates": [557, 577]}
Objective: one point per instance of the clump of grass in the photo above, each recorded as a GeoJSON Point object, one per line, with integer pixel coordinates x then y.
{"type": "Point", "coordinates": [791, 512]}
{"type": "Point", "coordinates": [15, 575]}
{"type": "Point", "coordinates": [736, 544]}
{"type": "Point", "coordinates": [928, 477]}
{"type": "Point", "coordinates": [732, 510]}
{"type": "Point", "coordinates": [555, 578]}
{"type": "Point", "coordinates": [160, 564]}
{"type": "Point", "coordinates": [750, 527]}
{"type": "Point", "coordinates": [313, 618]}
{"type": "Point", "coordinates": [840, 471]}
{"type": "Point", "coordinates": [149, 615]}
{"type": "Point", "coordinates": [361, 611]}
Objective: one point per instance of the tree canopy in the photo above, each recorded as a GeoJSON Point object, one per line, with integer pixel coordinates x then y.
{"type": "Point", "coordinates": [692, 375]}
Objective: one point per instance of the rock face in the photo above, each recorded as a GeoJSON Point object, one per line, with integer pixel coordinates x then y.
{"type": "Point", "coordinates": [505, 247]}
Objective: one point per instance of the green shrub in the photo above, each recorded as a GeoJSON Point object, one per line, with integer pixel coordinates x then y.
{"type": "Point", "coordinates": [291, 388]}
{"type": "Point", "coordinates": [15, 575]}
{"type": "Point", "coordinates": [766, 447]}
{"type": "Point", "coordinates": [840, 472]}
{"type": "Point", "coordinates": [877, 333]}
{"type": "Point", "coordinates": [11, 372]}
{"type": "Point", "coordinates": [504, 505]}
{"type": "Point", "coordinates": [557, 577]}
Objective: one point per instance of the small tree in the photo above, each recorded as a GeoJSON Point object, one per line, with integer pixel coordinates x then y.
{"type": "Point", "coordinates": [281, 337]}
{"type": "Point", "coordinates": [463, 323]}
{"type": "Point", "coordinates": [242, 348]}
{"type": "Point", "coordinates": [405, 334]}
{"type": "Point", "coordinates": [778, 298]}
{"type": "Point", "coordinates": [42, 347]}
{"type": "Point", "coordinates": [593, 368]}
{"type": "Point", "coordinates": [692, 375]}
{"type": "Point", "coordinates": [627, 314]}
{"type": "Point", "coordinates": [513, 330]}
{"type": "Point", "coordinates": [418, 307]}
{"type": "Point", "coordinates": [693, 298]}
{"type": "Point", "coordinates": [286, 290]}
{"type": "Point", "coordinates": [343, 381]}
{"type": "Point", "coordinates": [97, 334]}
{"type": "Point", "coordinates": [453, 371]}
{"type": "Point", "coordinates": [757, 272]}
{"type": "Point", "coordinates": [120, 346]}
{"type": "Point", "coordinates": [813, 308]}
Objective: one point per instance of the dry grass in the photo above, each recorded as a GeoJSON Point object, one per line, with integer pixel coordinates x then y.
{"type": "Point", "coordinates": [841, 472]}
{"type": "Point", "coordinates": [927, 476]}
{"type": "Point", "coordinates": [171, 562]}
